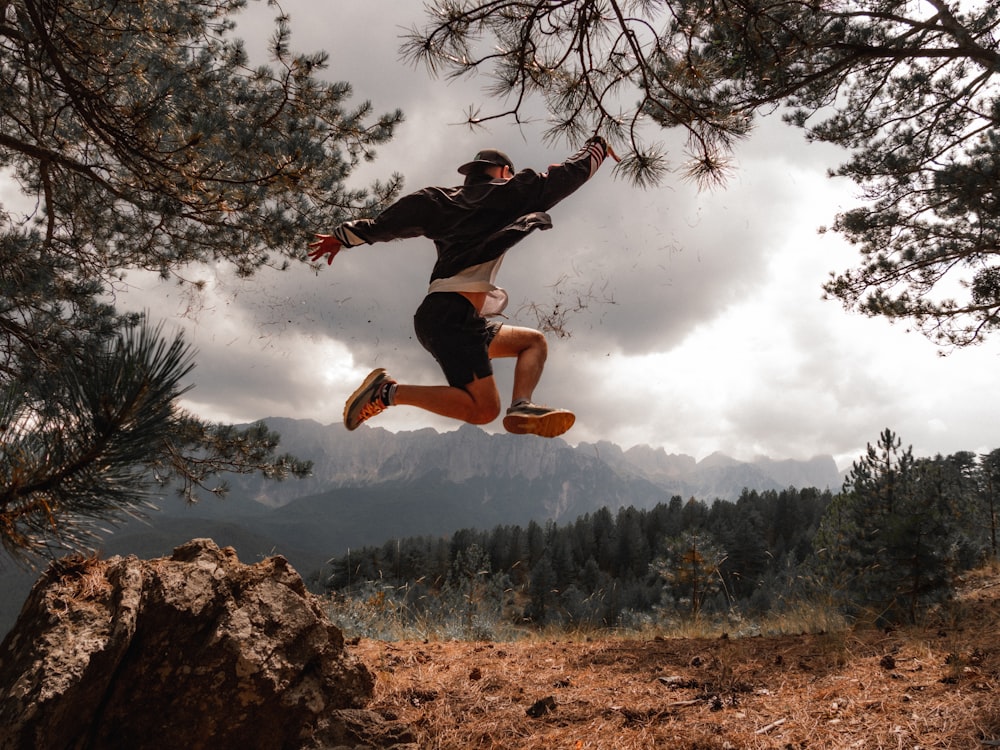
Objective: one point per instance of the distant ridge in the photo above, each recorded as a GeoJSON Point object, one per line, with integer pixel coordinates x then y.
{"type": "Point", "coordinates": [371, 455]}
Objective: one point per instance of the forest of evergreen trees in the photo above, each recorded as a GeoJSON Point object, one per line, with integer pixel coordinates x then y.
{"type": "Point", "coordinates": [887, 545]}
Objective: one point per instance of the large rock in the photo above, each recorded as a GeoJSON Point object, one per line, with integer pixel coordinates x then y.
{"type": "Point", "coordinates": [196, 651]}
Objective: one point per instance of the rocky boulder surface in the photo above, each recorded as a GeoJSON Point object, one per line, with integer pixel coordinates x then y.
{"type": "Point", "coordinates": [196, 650]}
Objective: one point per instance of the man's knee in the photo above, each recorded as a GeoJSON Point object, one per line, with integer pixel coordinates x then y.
{"type": "Point", "coordinates": [485, 406]}
{"type": "Point", "coordinates": [538, 343]}
{"type": "Point", "coordinates": [484, 413]}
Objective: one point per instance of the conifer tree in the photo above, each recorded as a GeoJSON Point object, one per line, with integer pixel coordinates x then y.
{"type": "Point", "coordinates": [541, 590]}
{"type": "Point", "coordinates": [989, 493]}
{"type": "Point", "coordinates": [142, 137]}
{"type": "Point", "coordinates": [690, 568]}
{"type": "Point", "coordinates": [887, 543]}
{"type": "Point", "coordinates": [852, 537]}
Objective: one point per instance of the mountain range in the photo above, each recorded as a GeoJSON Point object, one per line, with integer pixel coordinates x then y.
{"type": "Point", "coordinates": [371, 486]}
{"type": "Point", "coordinates": [372, 455]}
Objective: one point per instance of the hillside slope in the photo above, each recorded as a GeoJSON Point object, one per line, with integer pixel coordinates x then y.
{"type": "Point", "coordinates": [932, 686]}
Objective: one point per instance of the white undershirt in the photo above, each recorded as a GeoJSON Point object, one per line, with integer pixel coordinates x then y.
{"type": "Point", "coordinates": [478, 278]}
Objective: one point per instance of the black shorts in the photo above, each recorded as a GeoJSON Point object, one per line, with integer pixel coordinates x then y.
{"type": "Point", "coordinates": [448, 326]}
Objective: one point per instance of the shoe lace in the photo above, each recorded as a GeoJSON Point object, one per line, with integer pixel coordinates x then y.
{"type": "Point", "coordinates": [369, 410]}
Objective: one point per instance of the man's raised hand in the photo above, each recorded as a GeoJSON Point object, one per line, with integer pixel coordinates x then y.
{"type": "Point", "coordinates": [325, 244]}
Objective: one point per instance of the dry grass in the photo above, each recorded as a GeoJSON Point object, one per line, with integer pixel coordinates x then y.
{"type": "Point", "coordinates": [82, 584]}
{"type": "Point", "coordinates": [932, 686]}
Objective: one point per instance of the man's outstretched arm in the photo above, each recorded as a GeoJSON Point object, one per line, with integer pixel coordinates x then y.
{"type": "Point", "coordinates": [404, 218]}
{"type": "Point", "coordinates": [563, 179]}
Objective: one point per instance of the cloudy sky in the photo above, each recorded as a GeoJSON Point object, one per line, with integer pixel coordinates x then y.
{"type": "Point", "coordinates": [695, 318]}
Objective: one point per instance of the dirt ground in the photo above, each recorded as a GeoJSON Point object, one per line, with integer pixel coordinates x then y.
{"type": "Point", "coordinates": [933, 686]}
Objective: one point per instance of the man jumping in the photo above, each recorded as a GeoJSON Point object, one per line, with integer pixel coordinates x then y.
{"type": "Point", "coordinates": [472, 226]}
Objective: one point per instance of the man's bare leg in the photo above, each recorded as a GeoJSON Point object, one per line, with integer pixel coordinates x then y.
{"type": "Point", "coordinates": [477, 403]}
{"type": "Point", "coordinates": [531, 350]}
{"type": "Point", "coordinates": [524, 417]}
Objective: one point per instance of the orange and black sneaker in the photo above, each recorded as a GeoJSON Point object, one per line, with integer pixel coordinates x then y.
{"type": "Point", "coordinates": [368, 400]}
{"type": "Point", "coordinates": [532, 419]}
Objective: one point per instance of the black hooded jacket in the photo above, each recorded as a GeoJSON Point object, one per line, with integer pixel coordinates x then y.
{"type": "Point", "coordinates": [477, 222]}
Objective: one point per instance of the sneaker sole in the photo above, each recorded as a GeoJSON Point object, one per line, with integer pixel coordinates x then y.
{"type": "Point", "coordinates": [548, 425]}
{"type": "Point", "coordinates": [373, 376]}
